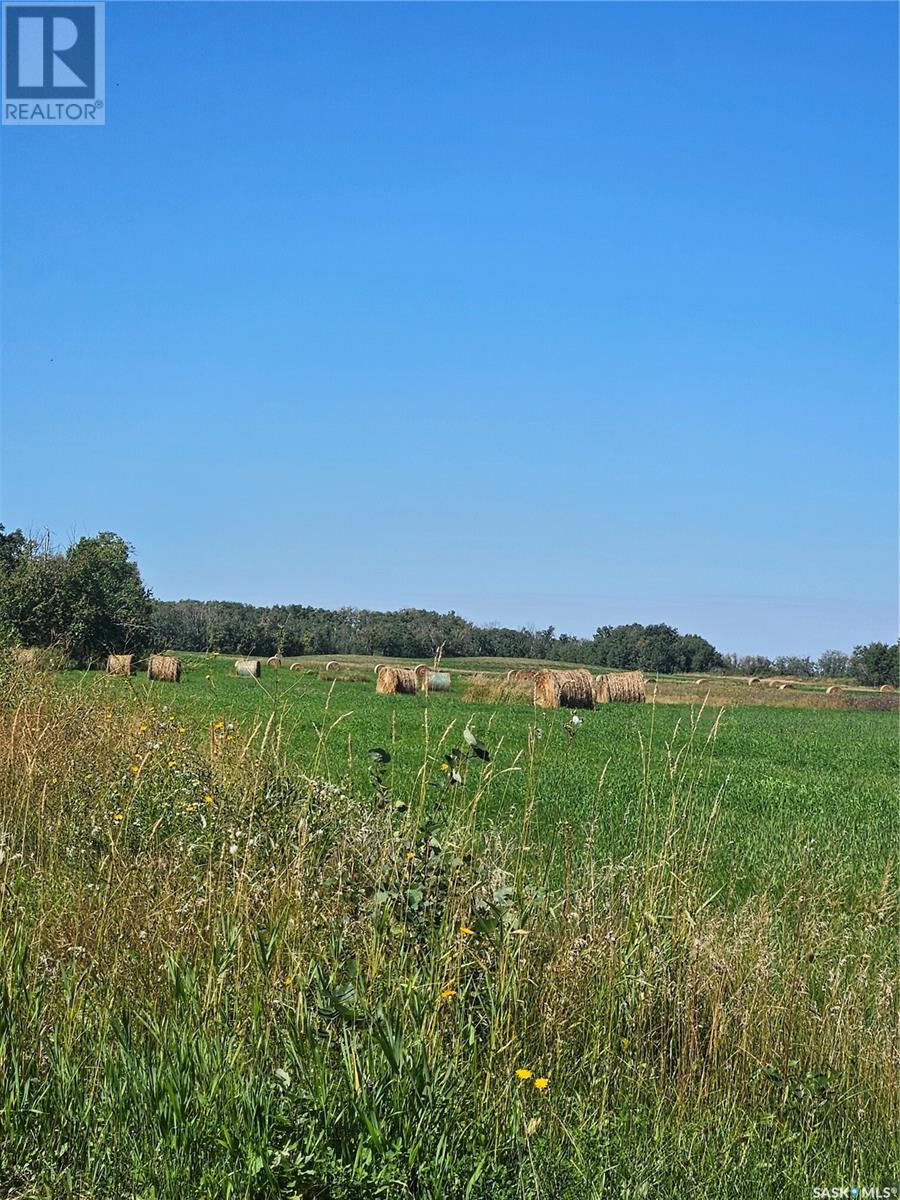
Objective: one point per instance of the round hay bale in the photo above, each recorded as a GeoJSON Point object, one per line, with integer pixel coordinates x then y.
{"type": "Point", "coordinates": [835, 687]}
{"type": "Point", "coordinates": [887, 687]}
{"type": "Point", "coordinates": [421, 671]}
{"type": "Point", "coordinates": [296, 666]}
{"type": "Point", "coordinates": [377, 667]}
{"type": "Point", "coordinates": [164, 668]}
{"type": "Point", "coordinates": [391, 680]}
{"type": "Point", "coordinates": [563, 689]}
{"type": "Point", "coordinates": [332, 666]}
{"type": "Point", "coordinates": [436, 681]}
{"type": "Point", "coordinates": [702, 683]}
{"type": "Point", "coordinates": [784, 687]}
{"type": "Point", "coordinates": [120, 664]}
{"type": "Point", "coordinates": [753, 680]}
{"type": "Point", "coordinates": [621, 687]}
{"type": "Point", "coordinates": [274, 661]}
{"type": "Point", "coordinates": [247, 666]}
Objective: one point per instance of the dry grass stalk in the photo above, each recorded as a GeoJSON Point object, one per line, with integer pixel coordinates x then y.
{"type": "Point", "coordinates": [391, 680]}
{"type": "Point", "coordinates": [120, 664]}
{"type": "Point", "coordinates": [247, 666]}
{"type": "Point", "coordinates": [563, 689]}
{"type": "Point", "coordinates": [164, 668]}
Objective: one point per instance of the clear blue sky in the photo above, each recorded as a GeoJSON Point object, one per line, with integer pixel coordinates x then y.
{"type": "Point", "coordinates": [570, 314]}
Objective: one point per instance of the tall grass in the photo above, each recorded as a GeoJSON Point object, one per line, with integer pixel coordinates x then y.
{"type": "Point", "coordinates": [224, 974]}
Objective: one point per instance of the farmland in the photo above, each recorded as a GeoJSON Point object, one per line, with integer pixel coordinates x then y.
{"type": "Point", "coordinates": [244, 955]}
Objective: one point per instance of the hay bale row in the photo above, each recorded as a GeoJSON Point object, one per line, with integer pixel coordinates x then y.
{"type": "Point", "coordinates": [393, 680]}
{"type": "Point", "coordinates": [620, 687]}
{"type": "Point", "coordinates": [164, 668]}
{"type": "Point", "coordinates": [120, 664]}
{"type": "Point", "coordinates": [563, 689]}
{"type": "Point", "coordinates": [247, 666]}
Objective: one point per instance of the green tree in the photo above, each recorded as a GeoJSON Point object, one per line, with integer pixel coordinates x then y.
{"type": "Point", "coordinates": [109, 607]}
{"type": "Point", "coordinates": [833, 664]}
{"type": "Point", "coordinates": [876, 664]}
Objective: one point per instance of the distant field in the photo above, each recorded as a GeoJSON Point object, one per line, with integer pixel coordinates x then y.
{"type": "Point", "coordinates": [791, 777]}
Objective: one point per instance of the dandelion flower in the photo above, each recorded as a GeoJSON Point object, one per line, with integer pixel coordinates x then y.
{"type": "Point", "coordinates": [542, 1084]}
{"type": "Point", "coordinates": [54, 780]}
{"type": "Point", "coordinates": [410, 854]}
{"type": "Point", "coordinates": [119, 816]}
{"type": "Point", "coordinates": [445, 766]}
{"type": "Point", "coordinates": [289, 981]}
{"type": "Point", "coordinates": [143, 729]}
{"type": "Point", "coordinates": [208, 798]}
{"type": "Point", "coordinates": [135, 769]}
{"type": "Point", "coordinates": [171, 762]}
{"type": "Point", "coordinates": [448, 993]}
{"type": "Point", "coordinates": [465, 930]}
{"type": "Point", "coordinates": [219, 725]}
{"type": "Point", "coordinates": [524, 1073]}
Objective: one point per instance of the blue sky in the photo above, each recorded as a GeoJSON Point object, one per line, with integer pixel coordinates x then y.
{"type": "Point", "coordinates": [547, 313]}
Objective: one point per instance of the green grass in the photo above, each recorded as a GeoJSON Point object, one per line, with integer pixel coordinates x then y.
{"type": "Point", "coordinates": [796, 783]}
{"type": "Point", "coordinates": [239, 959]}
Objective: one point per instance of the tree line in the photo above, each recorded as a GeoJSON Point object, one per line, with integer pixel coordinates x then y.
{"type": "Point", "coordinates": [89, 601]}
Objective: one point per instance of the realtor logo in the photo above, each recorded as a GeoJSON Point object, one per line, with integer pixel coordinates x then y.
{"type": "Point", "coordinates": [53, 69]}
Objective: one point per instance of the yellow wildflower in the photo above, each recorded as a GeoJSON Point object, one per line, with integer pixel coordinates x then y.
{"type": "Point", "coordinates": [182, 729]}
{"type": "Point", "coordinates": [445, 766]}
{"type": "Point", "coordinates": [541, 1084]}
{"type": "Point", "coordinates": [524, 1073]}
{"type": "Point", "coordinates": [143, 729]}
{"type": "Point", "coordinates": [219, 725]}
{"type": "Point", "coordinates": [465, 930]}
{"type": "Point", "coordinates": [289, 981]}
{"type": "Point", "coordinates": [409, 853]}
{"type": "Point", "coordinates": [118, 816]}
{"type": "Point", "coordinates": [208, 798]}
{"type": "Point", "coordinates": [135, 769]}
{"type": "Point", "coordinates": [54, 780]}
{"type": "Point", "coordinates": [448, 994]}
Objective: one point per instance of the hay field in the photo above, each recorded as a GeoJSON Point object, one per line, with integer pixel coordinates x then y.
{"type": "Point", "coordinates": [242, 956]}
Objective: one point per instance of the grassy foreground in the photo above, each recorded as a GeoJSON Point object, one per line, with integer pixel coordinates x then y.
{"type": "Point", "coordinates": [239, 956]}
